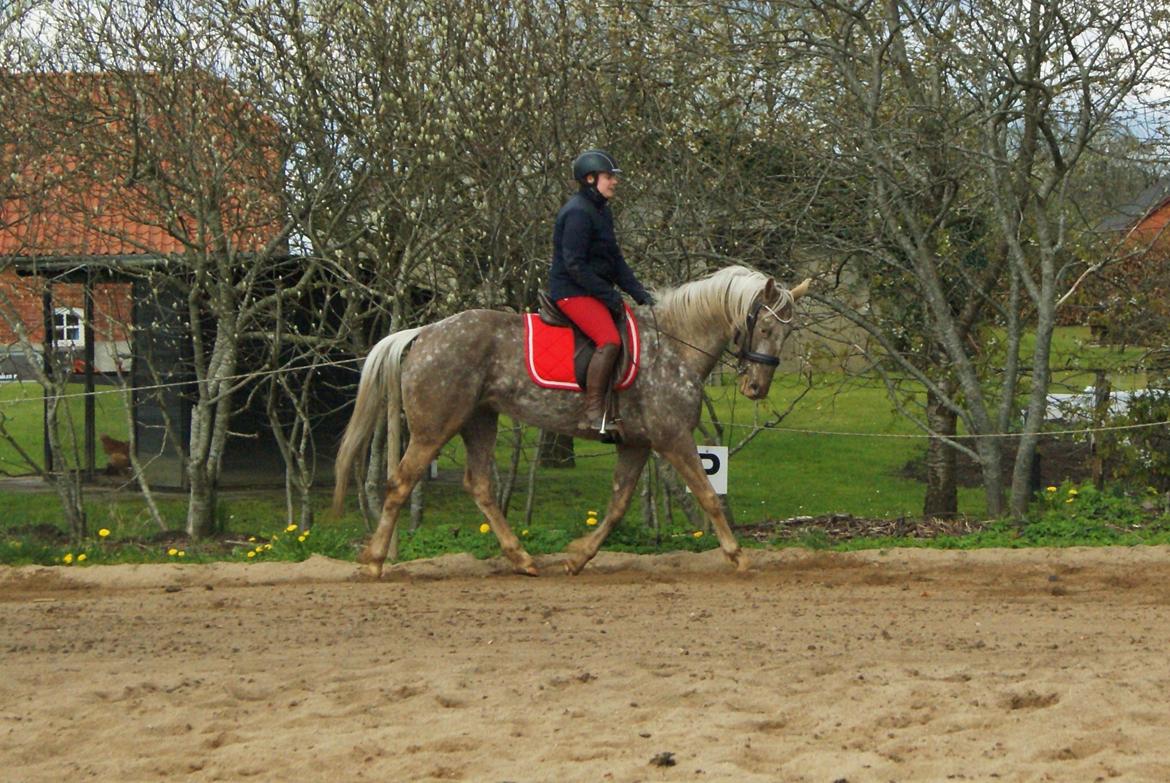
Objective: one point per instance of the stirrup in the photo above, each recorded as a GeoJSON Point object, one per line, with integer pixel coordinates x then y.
{"type": "Point", "coordinates": [611, 431]}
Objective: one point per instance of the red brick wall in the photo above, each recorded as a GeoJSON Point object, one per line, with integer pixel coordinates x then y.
{"type": "Point", "coordinates": [112, 305]}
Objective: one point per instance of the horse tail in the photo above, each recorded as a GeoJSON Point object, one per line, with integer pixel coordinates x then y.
{"type": "Point", "coordinates": [379, 399]}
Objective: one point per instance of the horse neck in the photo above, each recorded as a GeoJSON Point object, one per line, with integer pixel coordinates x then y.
{"type": "Point", "coordinates": [699, 340]}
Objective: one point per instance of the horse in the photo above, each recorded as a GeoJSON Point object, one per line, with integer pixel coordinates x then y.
{"type": "Point", "coordinates": [456, 376]}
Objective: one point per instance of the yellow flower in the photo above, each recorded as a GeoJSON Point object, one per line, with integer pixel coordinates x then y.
{"type": "Point", "coordinates": [290, 528]}
{"type": "Point", "coordinates": [68, 559]}
{"type": "Point", "coordinates": [182, 553]}
{"type": "Point", "coordinates": [172, 551]}
{"type": "Point", "coordinates": [266, 547]}
{"type": "Point", "coordinates": [251, 539]}
{"type": "Point", "coordinates": [485, 528]}
{"type": "Point", "coordinates": [1070, 500]}
{"type": "Point", "coordinates": [591, 521]}
{"type": "Point", "coordinates": [301, 538]}
{"type": "Point", "coordinates": [251, 553]}
{"type": "Point", "coordinates": [592, 513]}
{"type": "Point", "coordinates": [524, 532]}
{"type": "Point", "coordinates": [1050, 490]}
{"type": "Point", "coordinates": [81, 558]}
{"type": "Point", "coordinates": [307, 532]}
{"type": "Point", "coordinates": [697, 534]}
{"type": "Point", "coordinates": [1072, 493]}
{"type": "Point", "coordinates": [103, 532]}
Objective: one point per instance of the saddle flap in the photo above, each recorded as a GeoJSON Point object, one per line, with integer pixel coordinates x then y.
{"type": "Point", "coordinates": [549, 312]}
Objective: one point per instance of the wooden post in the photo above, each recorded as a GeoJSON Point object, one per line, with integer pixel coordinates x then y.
{"type": "Point", "coordinates": [87, 335]}
{"type": "Point", "coordinates": [1101, 393]}
{"type": "Point", "coordinates": [47, 357]}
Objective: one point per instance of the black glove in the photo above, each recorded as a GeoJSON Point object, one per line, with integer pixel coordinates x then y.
{"type": "Point", "coordinates": [646, 299]}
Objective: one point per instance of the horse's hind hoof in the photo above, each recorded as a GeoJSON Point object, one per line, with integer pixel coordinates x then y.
{"type": "Point", "coordinates": [528, 570]}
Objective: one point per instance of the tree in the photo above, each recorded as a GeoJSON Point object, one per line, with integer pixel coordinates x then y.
{"type": "Point", "coordinates": [961, 116]}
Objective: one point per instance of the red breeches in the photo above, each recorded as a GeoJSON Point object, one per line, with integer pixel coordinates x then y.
{"type": "Point", "coordinates": [591, 317]}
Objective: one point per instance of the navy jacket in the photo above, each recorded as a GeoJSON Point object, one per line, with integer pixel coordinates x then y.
{"type": "Point", "coordinates": [586, 258]}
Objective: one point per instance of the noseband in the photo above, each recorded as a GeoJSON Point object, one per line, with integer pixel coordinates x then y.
{"type": "Point", "coordinates": [745, 353]}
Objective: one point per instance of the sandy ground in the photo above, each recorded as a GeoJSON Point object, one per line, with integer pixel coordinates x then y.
{"type": "Point", "coordinates": [898, 666]}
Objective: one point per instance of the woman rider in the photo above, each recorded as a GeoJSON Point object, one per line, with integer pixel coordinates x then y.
{"type": "Point", "coordinates": [587, 265]}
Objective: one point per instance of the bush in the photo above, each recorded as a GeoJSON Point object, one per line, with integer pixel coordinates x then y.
{"type": "Point", "coordinates": [1140, 457]}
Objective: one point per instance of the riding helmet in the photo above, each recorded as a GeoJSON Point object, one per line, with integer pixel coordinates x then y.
{"type": "Point", "coordinates": [592, 162]}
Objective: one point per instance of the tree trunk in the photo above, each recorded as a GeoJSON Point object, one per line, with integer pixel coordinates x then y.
{"type": "Point", "coordinates": [556, 450]}
{"type": "Point", "coordinates": [942, 496]}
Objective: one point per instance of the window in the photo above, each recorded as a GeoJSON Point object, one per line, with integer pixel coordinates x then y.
{"type": "Point", "coordinates": [67, 327]}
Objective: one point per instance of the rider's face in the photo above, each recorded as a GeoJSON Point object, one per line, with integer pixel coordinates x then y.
{"type": "Point", "coordinates": [606, 184]}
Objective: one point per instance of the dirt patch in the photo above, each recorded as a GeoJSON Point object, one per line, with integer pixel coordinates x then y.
{"type": "Point", "coordinates": [903, 665]}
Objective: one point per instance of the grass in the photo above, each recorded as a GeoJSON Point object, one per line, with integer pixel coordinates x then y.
{"type": "Point", "coordinates": [841, 450]}
{"type": "Point", "coordinates": [22, 415]}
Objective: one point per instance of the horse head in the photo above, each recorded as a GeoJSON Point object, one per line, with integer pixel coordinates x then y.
{"type": "Point", "coordinates": [758, 341]}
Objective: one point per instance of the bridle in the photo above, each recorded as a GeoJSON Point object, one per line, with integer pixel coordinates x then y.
{"type": "Point", "coordinates": [744, 352]}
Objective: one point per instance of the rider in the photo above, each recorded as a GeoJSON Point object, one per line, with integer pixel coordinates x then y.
{"type": "Point", "coordinates": [587, 265]}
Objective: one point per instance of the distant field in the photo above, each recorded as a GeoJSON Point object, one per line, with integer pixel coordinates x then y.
{"type": "Point", "coordinates": [22, 416]}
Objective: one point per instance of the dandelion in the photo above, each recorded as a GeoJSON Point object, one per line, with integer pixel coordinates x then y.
{"type": "Point", "coordinates": [81, 558]}
{"type": "Point", "coordinates": [68, 559]}
{"type": "Point", "coordinates": [290, 528]}
{"type": "Point", "coordinates": [524, 532]}
{"type": "Point", "coordinates": [182, 553]}
{"type": "Point", "coordinates": [172, 551]}
{"type": "Point", "coordinates": [251, 553]}
{"type": "Point", "coordinates": [592, 513]}
{"type": "Point", "coordinates": [1050, 490]}
{"type": "Point", "coordinates": [697, 534]}
{"type": "Point", "coordinates": [485, 528]}
{"type": "Point", "coordinates": [251, 539]}
{"type": "Point", "coordinates": [266, 547]}
{"type": "Point", "coordinates": [301, 538]}
{"type": "Point", "coordinates": [1070, 500]}
{"type": "Point", "coordinates": [1072, 493]}
{"type": "Point", "coordinates": [103, 533]}
{"type": "Point", "coordinates": [591, 521]}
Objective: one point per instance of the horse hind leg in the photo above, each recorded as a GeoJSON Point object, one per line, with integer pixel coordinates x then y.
{"type": "Point", "coordinates": [479, 435]}
{"type": "Point", "coordinates": [410, 470]}
{"type": "Point", "coordinates": [631, 460]}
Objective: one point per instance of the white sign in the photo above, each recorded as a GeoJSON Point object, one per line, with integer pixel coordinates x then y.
{"type": "Point", "coordinates": [714, 459]}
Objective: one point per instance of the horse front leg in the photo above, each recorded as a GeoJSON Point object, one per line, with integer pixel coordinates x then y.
{"type": "Point", "coordinates": [684, 457]}
{"type": "Point", "coordinates": [631, 460]}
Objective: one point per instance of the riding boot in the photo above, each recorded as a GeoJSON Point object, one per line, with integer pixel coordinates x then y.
{"type": "Point", "coordinates": [597, 381]}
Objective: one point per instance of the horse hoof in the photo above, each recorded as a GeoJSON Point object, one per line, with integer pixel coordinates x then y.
{"type": "Point", "coordinates": [370, 571]}
{"type": "Point", "coordinates": [528, 570]}
{"type": "Point", "coordinates": [572, 568]}
{"type": "Point", "coordinates": [740, 560]}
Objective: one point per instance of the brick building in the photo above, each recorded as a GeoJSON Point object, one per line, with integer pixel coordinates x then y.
{"type": "Point", "coordinates": [106, 180]}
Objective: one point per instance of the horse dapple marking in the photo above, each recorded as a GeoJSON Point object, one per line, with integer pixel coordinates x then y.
{"type": "Point", "coordinates": [461, 373]}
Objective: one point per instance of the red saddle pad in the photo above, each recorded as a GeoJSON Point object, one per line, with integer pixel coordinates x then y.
{"type": "Point", "coordinates": [548, 354]}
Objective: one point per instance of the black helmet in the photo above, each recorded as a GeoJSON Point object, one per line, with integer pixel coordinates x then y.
{"type": "Point", "coordinates": [593, 161]}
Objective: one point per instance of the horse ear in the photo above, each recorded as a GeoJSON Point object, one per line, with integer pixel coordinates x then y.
{"type": "Point", "coordinates": [801, 289]}
{"type": "Point", "coordinates": [771, 294]}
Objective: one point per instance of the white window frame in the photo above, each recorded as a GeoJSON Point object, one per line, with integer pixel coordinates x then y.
{"type": "Point", "coordinates": [62, 327]}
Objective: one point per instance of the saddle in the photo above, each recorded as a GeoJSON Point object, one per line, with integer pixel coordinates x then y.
{"type": "Point", "coordinates": [557, 352]}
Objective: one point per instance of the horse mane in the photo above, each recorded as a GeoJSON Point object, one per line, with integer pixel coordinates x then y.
{"type": "Point", "coordinates": [723, 297]}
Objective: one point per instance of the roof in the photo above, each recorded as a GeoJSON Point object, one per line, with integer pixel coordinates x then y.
{"type": "Point", "coordinates": [1144, 204]}
{"type": "Point", "coordinates": [108, 165]}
